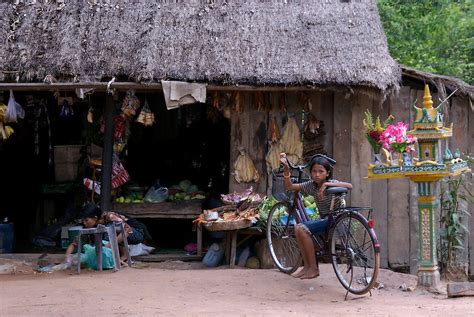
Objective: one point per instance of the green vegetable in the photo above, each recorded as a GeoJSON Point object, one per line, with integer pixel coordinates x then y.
{"type": "Point", "coordinates": [265, 207]}
{"type": "Point", "coordinates": [185, 184]}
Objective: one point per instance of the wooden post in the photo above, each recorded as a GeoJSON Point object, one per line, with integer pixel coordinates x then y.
{"type": "Point", "coordinates": [106, 183]}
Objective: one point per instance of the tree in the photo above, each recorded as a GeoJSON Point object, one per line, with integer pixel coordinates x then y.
{"type": "Point", "coordinates": [436, 36]}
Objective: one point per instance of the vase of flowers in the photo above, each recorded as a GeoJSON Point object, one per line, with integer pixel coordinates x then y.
{"type": "Point", "coordinates": [373, 133]}
{"type": "Point", "coordinates": [396, 140]}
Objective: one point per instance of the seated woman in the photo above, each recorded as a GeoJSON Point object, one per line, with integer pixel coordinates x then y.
{"type": "Point", "coordinates": [135, 231]}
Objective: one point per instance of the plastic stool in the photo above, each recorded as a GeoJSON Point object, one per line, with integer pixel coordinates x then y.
{"type": "Point", "coordinates": [98, 233]}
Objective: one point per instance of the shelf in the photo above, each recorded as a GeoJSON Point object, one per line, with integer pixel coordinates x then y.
{"type": "Point", "coordinates": [188, 209]}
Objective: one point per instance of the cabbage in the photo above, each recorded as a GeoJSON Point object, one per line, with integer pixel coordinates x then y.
{"type": "Point", "coordinates": [184, 185]}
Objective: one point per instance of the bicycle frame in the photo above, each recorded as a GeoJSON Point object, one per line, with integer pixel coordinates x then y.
{"type": "Point", "coordinates": [300, 215]}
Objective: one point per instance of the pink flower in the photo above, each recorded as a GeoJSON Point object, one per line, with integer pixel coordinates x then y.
{"type": "Point", "coordinates": [395, 138]}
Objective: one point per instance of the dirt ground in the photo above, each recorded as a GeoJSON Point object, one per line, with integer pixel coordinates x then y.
{"type": "Point", "coordinates": [189, 288]}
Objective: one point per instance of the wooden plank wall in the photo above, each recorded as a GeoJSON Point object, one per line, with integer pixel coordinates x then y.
{"type": "Point", "coordinates": [398, 191]}
{"type": "Point", "coordinates": [470, 149]}
{"type": "Point", "coordinates": [459, 116]}
{"type": "Point", "coordinates": [379, 195]}
{"type": "Point", "coordinates": [394, 201]}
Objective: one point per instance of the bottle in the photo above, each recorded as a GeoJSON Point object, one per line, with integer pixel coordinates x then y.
{"type": "Point", "coordinates": [214, 255]}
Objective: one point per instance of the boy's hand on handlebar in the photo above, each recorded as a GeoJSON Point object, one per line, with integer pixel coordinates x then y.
{"type": "Point", "coordinates": [284, 160]}
{"type": "Point", "coordinates": [321, 190]}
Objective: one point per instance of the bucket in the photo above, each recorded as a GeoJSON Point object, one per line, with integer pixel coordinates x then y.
{"type": "Point", "coordinates": [6, 238]}
{"type": "Point", "coordinates": [73, 232]}
{"type": "Point", "coordinates": [214, 255]}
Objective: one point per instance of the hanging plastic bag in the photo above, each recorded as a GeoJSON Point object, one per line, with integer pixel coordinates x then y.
{"type": "Point", "coordinates": [14, 110]}
{"type": "Point", "coordinates": [130, 104]}
{"type": "Point", "coordinates": [66, 110]}
{"type": "Point", "coordinates": [146, 116]}
{"type": "Point", "coordinates": [119, 173]}
{"type": "Point", "coordinates": [156, 194]}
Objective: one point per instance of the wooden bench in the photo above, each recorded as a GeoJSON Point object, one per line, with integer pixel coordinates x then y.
{"type": "Point", "coordinates": [188, 209]}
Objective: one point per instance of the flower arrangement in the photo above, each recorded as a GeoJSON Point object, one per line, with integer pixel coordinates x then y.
{"type": "Point", "coordinates": [374, 130]}
{"type": "Point", "coordinates": [395, 138]}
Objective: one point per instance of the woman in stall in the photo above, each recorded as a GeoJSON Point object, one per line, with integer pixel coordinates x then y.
{"type": "Point", "coordinates": [135, 231]}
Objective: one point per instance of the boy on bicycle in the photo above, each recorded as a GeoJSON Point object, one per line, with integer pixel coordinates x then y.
{"type": "Point", "coordinates": [321, 177]}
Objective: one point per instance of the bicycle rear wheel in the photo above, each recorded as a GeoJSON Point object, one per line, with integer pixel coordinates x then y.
{"type": "Point", "coordinates": [355, 254]}
{"type": "Point", "coordinates": [281, 238]}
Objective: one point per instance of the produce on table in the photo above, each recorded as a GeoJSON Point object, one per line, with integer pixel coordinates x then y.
{"type": "Point", "coordinates": [269, 201]}
{"type": "Point", "coordinates": [185, 190]}
{"type": "Point", "coordinates": [235, 198]}
{"type": "Point", "coordinates": [265, 206]}
{"type": "Point", "coordinates": [310, 206]}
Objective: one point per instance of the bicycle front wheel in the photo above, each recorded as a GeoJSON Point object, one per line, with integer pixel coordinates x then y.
{"type": "Point", "coordinates": [355, 253]}
{"type": "Point", "coordinates": [281, 238]}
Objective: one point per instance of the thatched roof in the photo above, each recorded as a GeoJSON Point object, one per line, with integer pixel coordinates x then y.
{"type": "Point", "coordinates": [445, 85]}
{"type": "Point", "coordinates": [330, 42]}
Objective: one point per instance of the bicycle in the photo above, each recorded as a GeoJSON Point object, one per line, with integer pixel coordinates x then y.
{"type": "Point", "coordinates": [349, 240]}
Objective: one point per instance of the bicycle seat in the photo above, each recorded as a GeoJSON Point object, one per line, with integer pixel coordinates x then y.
{"type": "Point", "coordinates": [336, 190]}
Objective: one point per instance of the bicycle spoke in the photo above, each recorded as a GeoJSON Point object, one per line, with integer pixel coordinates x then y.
{"type": "Point", "coordinates": [281, 240]}
{"type": "Point", "coordinates": [353, 253]}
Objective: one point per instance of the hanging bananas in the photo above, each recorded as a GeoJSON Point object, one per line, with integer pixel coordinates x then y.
{"type": "Point", "coordinates": [245, 170]}
{"type": "Point", "coordinates": [5, 130]}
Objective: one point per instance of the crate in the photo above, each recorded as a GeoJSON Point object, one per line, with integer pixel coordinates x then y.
{"type": "Point", "coordinates": [66, 158]}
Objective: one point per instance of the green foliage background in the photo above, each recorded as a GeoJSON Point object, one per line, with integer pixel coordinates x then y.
{"type": "Point", "coordinates": [436, 36]}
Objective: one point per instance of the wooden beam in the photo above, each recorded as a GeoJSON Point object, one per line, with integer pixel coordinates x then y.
{"type": "Point", "coordinates": [107, 152]}
{"type": "Point", "coordinates": [460, 289]}
{"type": "Point", "coordinates": [102, 86]}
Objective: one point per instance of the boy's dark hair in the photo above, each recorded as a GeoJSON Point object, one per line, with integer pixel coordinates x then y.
{"type": "Point", "coordinates": [90, 211]}
{"type": "Point", "coordinates": [324, 162]}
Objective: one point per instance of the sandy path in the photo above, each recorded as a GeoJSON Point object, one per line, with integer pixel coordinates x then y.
{"type": "Point", "coordinates": [176, 289]}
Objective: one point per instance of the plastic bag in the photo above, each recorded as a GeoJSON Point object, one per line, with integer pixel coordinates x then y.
{"type": "Point", "coordinates": [156, 194]}
{"type": "Point", "coordinates": [90, 257]}
{"type": "Point", "coordinates": [14, 110]}
{"type": "Point", "coordinates": [66, 110]}
{"type": "Point", "coordinates": [139, 249]}
{"type": "Point", "coordinates": [119, 173]}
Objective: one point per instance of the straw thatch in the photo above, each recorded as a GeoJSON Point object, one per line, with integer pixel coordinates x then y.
{"type": "Point", "coordinates": [444, 84]}
{"type": "Point", "coordinates": [326, 42]}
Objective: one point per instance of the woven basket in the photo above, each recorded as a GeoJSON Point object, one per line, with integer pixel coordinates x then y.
{"type": "Point", "coordinates": [228, 225]}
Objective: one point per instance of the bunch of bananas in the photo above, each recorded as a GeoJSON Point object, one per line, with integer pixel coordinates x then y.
{"type": "Point", "coordinates": [5, 130]}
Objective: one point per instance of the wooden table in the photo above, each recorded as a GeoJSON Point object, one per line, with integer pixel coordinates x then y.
{"type": "Point", "coordinates": [188, 209]}
{"type": "Point", "coordinates": [231, 241]}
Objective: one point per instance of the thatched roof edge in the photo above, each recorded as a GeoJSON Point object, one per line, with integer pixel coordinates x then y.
{"type": "Point", "coordinates": [252, 42]}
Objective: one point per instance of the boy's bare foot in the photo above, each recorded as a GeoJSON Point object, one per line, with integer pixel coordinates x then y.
{"type": "Point", "coordinates": [299, 273]}
{"type": "Point", "coordinates": [310, 274]}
